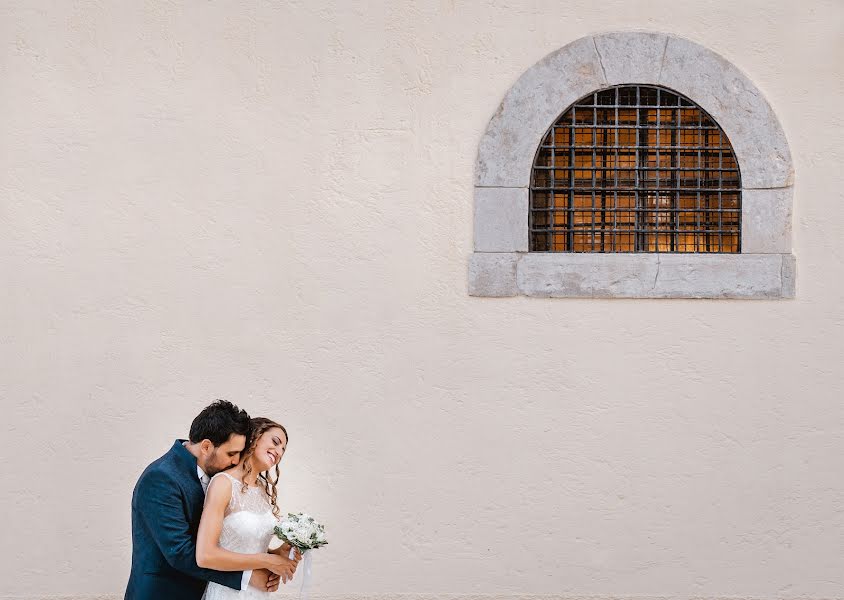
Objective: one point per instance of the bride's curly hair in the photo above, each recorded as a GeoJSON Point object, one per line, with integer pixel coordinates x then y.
{"type": "Point", "coordinates": [260, 426]}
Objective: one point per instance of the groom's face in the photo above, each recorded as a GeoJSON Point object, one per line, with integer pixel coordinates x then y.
{"type": "Point", "coordinates": [225, 456]}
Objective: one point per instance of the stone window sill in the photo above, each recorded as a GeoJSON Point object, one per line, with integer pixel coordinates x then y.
{"type": "Point", "coordinates": [559, 275]}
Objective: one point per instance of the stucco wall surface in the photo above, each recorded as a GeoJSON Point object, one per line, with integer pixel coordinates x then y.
{"type": "Point", "coordinates": [271, 202]}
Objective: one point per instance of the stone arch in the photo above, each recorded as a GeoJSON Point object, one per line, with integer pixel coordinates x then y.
{"type": "Point", "coordinates": [561, 78]}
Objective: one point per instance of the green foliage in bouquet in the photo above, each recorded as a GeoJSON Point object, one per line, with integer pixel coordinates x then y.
{"type": "Point", "coordinates": [302, 531]}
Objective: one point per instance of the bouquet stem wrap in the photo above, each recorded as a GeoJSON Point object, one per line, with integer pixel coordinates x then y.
{"type": "Point", "coordinates": [302, 532]}
{"type": "Point", "coordinates": [307, 566]}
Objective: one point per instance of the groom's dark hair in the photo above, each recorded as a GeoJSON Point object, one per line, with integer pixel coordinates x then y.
{"type": "Point", "coordinates": [218, 421]}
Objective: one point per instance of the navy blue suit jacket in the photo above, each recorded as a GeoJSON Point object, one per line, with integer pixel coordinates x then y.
{"type": "Point", "coordinates": [166, 507]}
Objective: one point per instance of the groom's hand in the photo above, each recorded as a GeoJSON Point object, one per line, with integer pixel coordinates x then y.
{"type": "Point", "coordinates": [272, 581]}
{"type": "Point", "coordinates": [264, 579]}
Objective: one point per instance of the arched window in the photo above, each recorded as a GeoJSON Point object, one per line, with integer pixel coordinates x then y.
{"type": "Point", "coordinates": [635, 168]}
{"type": "Point", "coordinates": [667, 176]}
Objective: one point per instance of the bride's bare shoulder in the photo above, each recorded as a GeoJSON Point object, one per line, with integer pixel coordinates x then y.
{"type": "Point", "coordinates": [220, 489]}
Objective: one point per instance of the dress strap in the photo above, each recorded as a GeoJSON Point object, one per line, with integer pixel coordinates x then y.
{"type": "Point", "coordinates": [236, 486]}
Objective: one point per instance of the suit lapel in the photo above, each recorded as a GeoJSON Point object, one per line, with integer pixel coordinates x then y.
{"type": "Point", "coordinates": [186, 464]}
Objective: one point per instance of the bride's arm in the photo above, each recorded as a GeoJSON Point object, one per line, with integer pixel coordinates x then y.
{"type": "Point", "coordinates": [210, 555]}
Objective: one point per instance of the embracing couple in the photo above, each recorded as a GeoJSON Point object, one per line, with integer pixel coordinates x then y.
{"type": "Point", "coordinates": [203, 514]}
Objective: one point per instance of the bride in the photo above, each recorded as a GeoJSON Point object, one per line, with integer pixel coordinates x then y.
{"type": "Point", "coordinates": [241, 510]}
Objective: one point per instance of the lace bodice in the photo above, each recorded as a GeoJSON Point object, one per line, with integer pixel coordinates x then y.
{"type": "Point", "coordinates": [247, 528]}
{"type": "Point", "coordinates": [249, 521]}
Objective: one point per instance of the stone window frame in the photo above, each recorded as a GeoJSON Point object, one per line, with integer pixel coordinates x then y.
{"type": "Point", "coordinates": [502, 266]}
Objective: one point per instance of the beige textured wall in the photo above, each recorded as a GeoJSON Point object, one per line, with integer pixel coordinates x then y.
{"type": "Point", "coordinates": [272, 202]}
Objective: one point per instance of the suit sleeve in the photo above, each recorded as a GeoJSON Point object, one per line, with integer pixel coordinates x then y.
{"type": "Point", "coordinates": [159, 502]}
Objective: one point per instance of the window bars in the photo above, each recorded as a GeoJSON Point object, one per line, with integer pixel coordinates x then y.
{"type": "Point", "coordinates": [635, 169]}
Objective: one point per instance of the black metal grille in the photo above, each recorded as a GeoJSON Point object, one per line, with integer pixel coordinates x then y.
{"type": "Point", "coordinates": [635, 169]}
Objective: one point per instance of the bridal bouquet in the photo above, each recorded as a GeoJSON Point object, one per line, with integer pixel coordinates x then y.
{"type": "Point", "coordinates": [302, 532]}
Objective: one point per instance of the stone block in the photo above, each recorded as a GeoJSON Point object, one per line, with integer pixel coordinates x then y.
{"type": "Point", "coordinates": [789, 276]}
{"type": "Point", "coordinates": [558, 275]}
{"type": "Point", "coordinates": [718, 276]}
{"type": "Point", "coordinates": [493, 275]}
{"type": "Point", "coordinates": [631, 57]}
{"type": "Point", "coordinates": [766, 221]}
{"type": "Point", "coordinates": [501, 219]}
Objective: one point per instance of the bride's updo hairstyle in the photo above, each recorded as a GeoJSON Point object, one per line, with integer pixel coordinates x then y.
{"type": "Point", "coordinates": [260, 426]}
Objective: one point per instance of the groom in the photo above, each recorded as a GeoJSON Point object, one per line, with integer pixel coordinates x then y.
{"type": "Point", "coordinates": [167, 504]}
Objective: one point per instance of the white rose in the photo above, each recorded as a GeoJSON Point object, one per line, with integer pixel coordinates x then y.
{"type": "Point", "coordinates": [303, 534]}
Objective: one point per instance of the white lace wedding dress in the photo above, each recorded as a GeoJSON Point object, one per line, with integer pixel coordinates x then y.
{"type": "Point", "coordinates": [247, 528]}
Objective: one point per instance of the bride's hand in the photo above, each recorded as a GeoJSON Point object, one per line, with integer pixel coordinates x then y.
{"type": "Point", "coordinates": [282, 566]}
